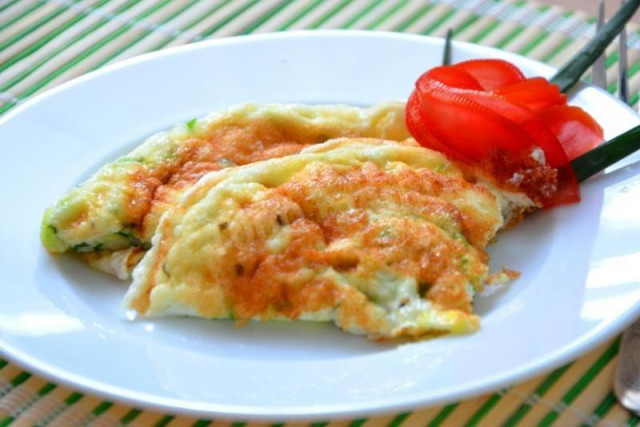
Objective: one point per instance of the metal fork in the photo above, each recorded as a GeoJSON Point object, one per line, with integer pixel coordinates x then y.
{"type": "Point", "coordinates": [627, 376]}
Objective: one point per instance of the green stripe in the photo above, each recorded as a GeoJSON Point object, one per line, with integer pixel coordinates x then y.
{"type": "Point", "coordinates": [73, 398]}
{"type": "Point", "coordinates": [495, 24]}
{"type": "Point", "coordinates": [21, 76]}
{"type": "Point", "coordinates": [229, 18]}
{"type": "Point", "coordinates": [238, 424]}
{"type": "Point", "coordinates": [556, 50]}
{"type": "Point", "coordinates": [399, 419]}
{"type": "Point", "coordinates": [102, 408]}
{"type": "Point", "coordinates": [45, 39]}
{"type": "Point", "coordinates": [633, 420]}
{"type": "Point", "coordinates": [332, 12]}
{"type": "Point", "coordinates": [201, 423]}
{"type": "Point", "coordinates": [46, 389]}
{"type": "Point", "coordinates": [509, 37]}
{"type": "Point", "coordinates": [604, 406]}
{"type": "Point", "coordinates": [540, 38]}
{"type": "Point", "coordinates": [533, 43]}
{"type": "Point", "coordinates": [3, 363]}
{"type": "Point", "coordinates": [191, 24]}
{"type": "Point", "coordinates": [484, 409]}
{"type": "Point", "coordinates": [442, 415]}
{"type": "Point", "coordinates": [359, 422]}
{"type": "Point", "coordinates": [164, 421]}
{"type": "Point", "coordinates": [144, 34]}
{"type": "Point", "coordinates": [21, 15]}
{"type": "Point", "coordinates": [130, 416]}
{"type": "Point", "coordinates": [6, 421]}
{"type": "Point", "coordinates": [32, 27]}
{"type": "Point", "coordinates": [387, 14]}
{"type": "Point", "coordinates": [361, 13]}
{"type": "Point", "coordinates": [485, 31]}
{"type": "Point", "coordinates": [631, 72]}
{"type": "Point", "coordinates": [414, 17]}
{"type": "Point", "coordinates": [302, 12]}
{"type": "Point", "coordinates": [265, 17]}
{"type": "Point", "coordinates": [611, 59]}
{"type": "Point", "coordinates": [548, 382]}
{"type": "Point", "coordinates": [516, 31]}
{"type": "Point", "coordinates": [22, 377]}
{"type": "Point", "coordinates": [6, 107]}
{"type": "Point", "coordinates": [7, 5]}
{"type": "Point", "coordinates": [319, 424]}
{"type": "Point", "coordinates": [583, 382]}
{"type": "Point", "coordinates": [465, 24]}
{"type": "Point", "coordinates": [434, 26]}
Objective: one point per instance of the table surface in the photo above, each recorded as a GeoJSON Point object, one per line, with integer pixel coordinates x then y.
{"type": "Point", "coordinates": [46, 42]}
{"type": "Point", "coordinates": [589, 6]}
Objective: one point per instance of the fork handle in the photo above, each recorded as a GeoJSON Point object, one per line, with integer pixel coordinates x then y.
{"type": "Point", "coordinates": [627, 377]}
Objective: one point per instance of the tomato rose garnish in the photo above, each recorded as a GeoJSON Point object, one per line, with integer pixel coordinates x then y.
{"type": "Point", "coordinates": [518, 131]}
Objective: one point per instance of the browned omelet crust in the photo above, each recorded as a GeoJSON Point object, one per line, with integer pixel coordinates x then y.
{"type": "Point", "coordinates": [119, 207]}
{"type": "Point", "coordinates": [384, 239]}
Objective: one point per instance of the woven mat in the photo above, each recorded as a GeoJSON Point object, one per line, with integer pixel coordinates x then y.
{"type": "Point", "coordinates": [45, 43]}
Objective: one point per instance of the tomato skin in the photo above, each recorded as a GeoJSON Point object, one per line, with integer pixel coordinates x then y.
{"type": "Point", "coordinates": [487, 114]}
{"type": "Point", "coordinates": [529, 123]}
{"type": "Point", "coordinates": [415, 124]}
{"type": "Point", "coordinates": [568, 189]}
{"type": "Point", "coordinates": [492, 73]}
{"type": "Point", "coordinates": [576, 130]}
{"type": "Point", "coordinates": [452, 77]}
{"type": "Point", "coordinates": [536, 94]}
{"type": "Point", "coordinates": [443, 111]}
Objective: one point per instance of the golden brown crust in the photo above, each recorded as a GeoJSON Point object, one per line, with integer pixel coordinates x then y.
{"type": "Point", "coordinates": [330, 239]}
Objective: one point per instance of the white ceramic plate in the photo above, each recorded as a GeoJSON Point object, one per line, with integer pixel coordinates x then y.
{"type": "Point", "coordinates": [63, 320]}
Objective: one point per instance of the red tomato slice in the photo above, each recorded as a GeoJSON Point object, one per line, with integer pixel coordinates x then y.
{"type": "Point", "coordinates": [452, 77]}
{"type": "Point", "coordinates": [576, 130]}
{"type": "Point", "coordinates": [536, 94]}
{"type": "Point", "coordinates": [417, 128]}
{"type": "Point", "coordinates": [492, 73]}
{"type": "Point", "coordinates": [466, 127]}
{"type": "Point", "coordinates": [528, 122]}
{"type": "Point", "coordinates": [568, 189]}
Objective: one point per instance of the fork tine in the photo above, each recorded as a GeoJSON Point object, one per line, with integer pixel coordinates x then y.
{"type": "Point", "coordinates": [623, 78]}
{"type": "Point", "coordinates": [599, 69]}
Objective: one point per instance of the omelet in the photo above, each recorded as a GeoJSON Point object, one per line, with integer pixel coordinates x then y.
{"type": "Point", "coordinates": [109, 219]}
{"type": "Point", "coordinates": [382, 238]}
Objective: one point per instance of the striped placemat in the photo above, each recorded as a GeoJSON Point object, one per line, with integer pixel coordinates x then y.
{"type": "Point", "coordinates": [46, 42]}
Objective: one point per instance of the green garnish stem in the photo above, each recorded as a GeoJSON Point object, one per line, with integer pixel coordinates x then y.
{"type": "Point", "coordinates": [446, 57]}
{"type": "Point", "coordinates": [605, 155]}
{"type": "Point", "coordinates": [570, 73]}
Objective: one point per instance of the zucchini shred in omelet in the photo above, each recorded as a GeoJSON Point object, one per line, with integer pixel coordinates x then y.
{"type": "Point", "coordinates": [109, 219]}
{"type": "Point", "coordinates": [383, 238]}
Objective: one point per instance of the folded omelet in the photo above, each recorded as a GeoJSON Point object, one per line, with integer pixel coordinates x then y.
{"type": "Point", "coordinates": [382, 238]}
{"type": "Point", "coordinates": [109, 219]}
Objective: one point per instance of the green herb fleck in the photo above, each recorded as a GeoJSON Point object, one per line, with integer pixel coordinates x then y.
{"type": "Point", "coordinates": [130, 160]}
{"type": "Point", "coordinates": [81, 247]}
{"type": "Point", "coordinates": [226, 163]}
